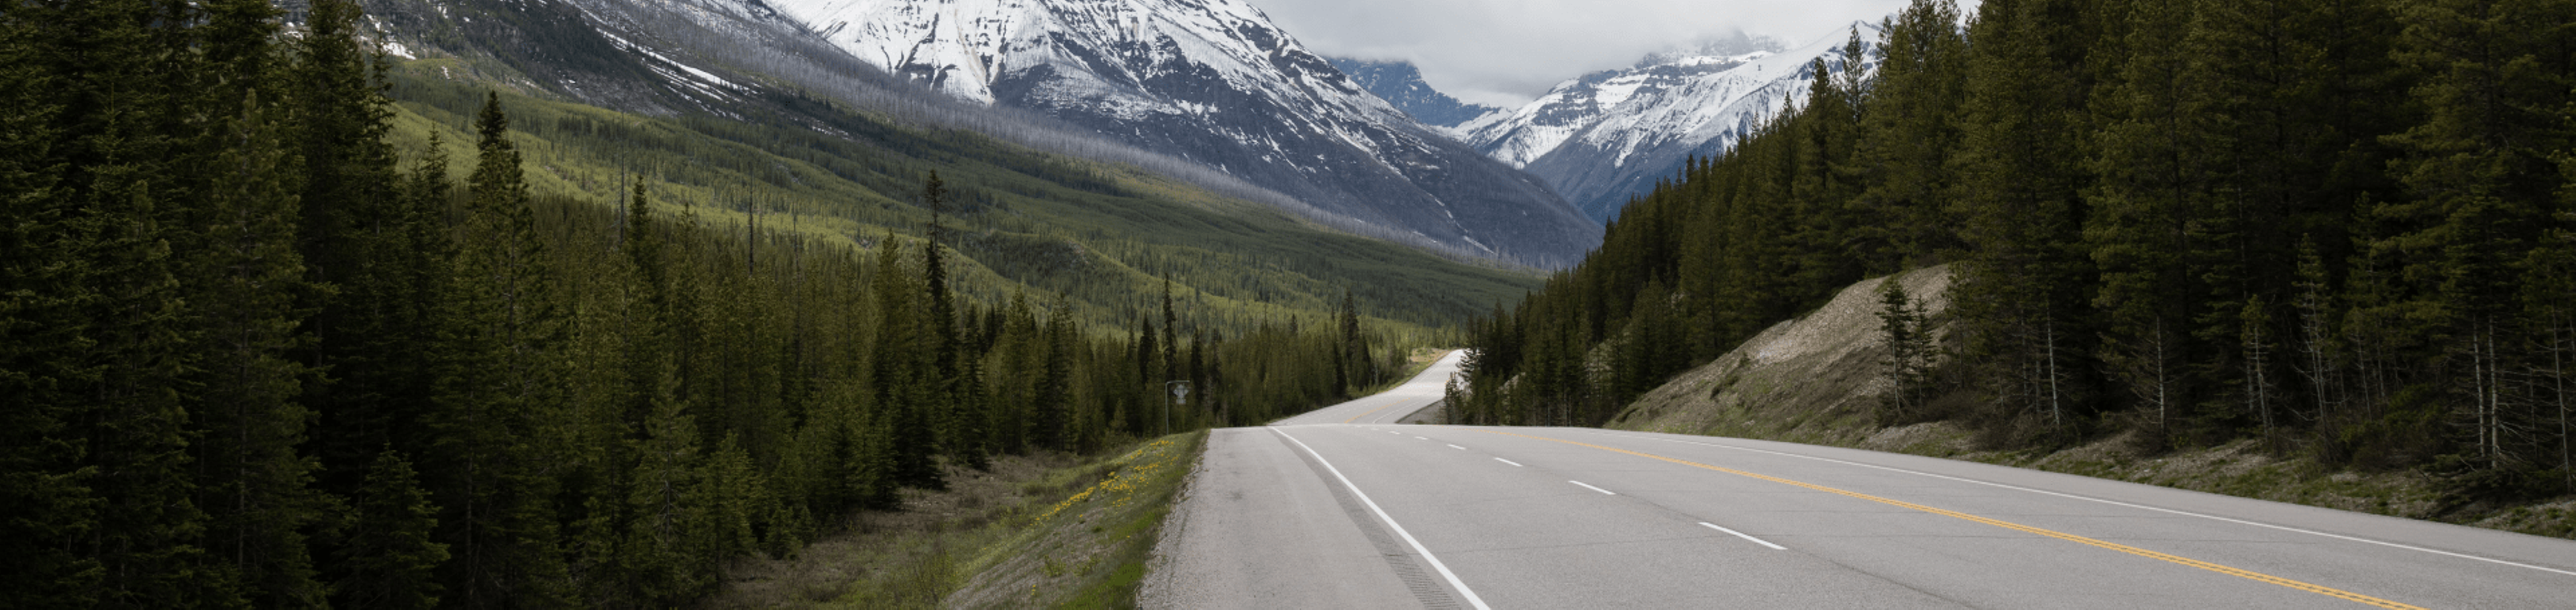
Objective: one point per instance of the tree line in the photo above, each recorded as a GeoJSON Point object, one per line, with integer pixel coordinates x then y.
{"type": "Point", "coordinates": [254, 359]}
{"type": "Point", "coordinates": [2341, 227]}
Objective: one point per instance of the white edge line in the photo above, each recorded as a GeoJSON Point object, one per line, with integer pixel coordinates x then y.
{"type": "Point", "coordinates": [1514, 464]}
{"type": "Point", "coordinates": [2113, 503]}
{"type": "Point", "coordinates": [1738, 534]}
{"type": "Point", "coordinates": [1472, 600]}
{"type": "Point", "coordinates": [1588, 486]}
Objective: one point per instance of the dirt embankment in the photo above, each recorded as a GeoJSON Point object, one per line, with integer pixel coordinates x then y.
{"type": "Point", "coordinates": [1813, 379]}
{"type": "Point", "coordinates": [1816, 379]}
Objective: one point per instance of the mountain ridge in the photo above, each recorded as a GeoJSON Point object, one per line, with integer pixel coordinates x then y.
{"type": "Point", "coordinates": [1217, 83]}
{"type": "Point", "coordinates": [1602, 138]}
{"type": "Point", "coordinates": [1401, 84]}
{"type": "Point", "coordinates": [729, 58]}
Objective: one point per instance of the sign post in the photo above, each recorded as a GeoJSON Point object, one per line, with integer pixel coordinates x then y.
{"type": "Point", "coordinates": [1180, 394]}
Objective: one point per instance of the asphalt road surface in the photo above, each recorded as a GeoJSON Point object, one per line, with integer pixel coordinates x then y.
{"type": "Point", "coordinates": [1333, 510]}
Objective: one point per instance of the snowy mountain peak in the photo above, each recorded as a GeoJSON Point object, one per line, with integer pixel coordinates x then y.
{"type": "Point", "coordinates": [1401, 84]}
{"type": "Point", "coordinates": [1214, 82]}
{"type": "Point", "coordinates": [1108, 50]}
{"type": "Point", "coordinates": [1602, 138]}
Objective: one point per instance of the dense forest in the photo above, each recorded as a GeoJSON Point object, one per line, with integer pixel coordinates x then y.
{"type": "Point", "coordinates": [252, 357]}
{"type": "Point", "coordinates": [2341, 227]}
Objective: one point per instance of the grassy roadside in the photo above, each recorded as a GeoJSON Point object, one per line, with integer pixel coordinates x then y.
{"type": "Point", "coordinates": [1050, 530]}
{"type": "Point", "coordinates": [2244, 469]}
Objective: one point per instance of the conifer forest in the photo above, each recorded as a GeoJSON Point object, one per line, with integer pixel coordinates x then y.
{"type": "Point", "coordinates": [2343, 228]}
{"type": "Point", "coordinates": [253, 355]}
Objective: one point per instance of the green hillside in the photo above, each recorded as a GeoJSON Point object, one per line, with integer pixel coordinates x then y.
{"type": "Point", "coordinates": [1105, 235]}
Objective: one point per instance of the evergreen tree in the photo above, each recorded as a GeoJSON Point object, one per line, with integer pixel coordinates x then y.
{"type": "Point", "coordinates": [1053, 400]}
{"type": "Point", "coordinates": [2155, 185]}
{"type": "Point", "coordinates": [2018, 187]}
{"type": "Point", "coordinates": [2495, 74]}
{"type": "Point", "coordinates": [389, 558]}
{"type": "Point", "coordinates": [904, 374]}
{"type": "Point", "coordinates": [95, 290]}
{"type": "Point", "coordinates": [661, 552]}
{"type": "Point", "coordinates": [1909, 351]}
{"type": "Point", "coordinates": [500, 379]}
{"type": "Point", "coordinates": [246, 283]}
{"type": "Point", "coordinates": [960, 421]}
{"type": "Point", "coordinates": [358, 233]}
{"type": "Point", "coordinates": [43, 298]}
{"type": "Point", "coordinates": [1908, 133]}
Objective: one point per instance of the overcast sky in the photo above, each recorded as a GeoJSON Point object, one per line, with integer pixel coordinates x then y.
{"type": "Point", "coordinates": [1505, 52]}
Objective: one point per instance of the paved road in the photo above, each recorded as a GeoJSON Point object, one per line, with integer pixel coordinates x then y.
{"type": "Point", "coordinates": [1318, 513]}
{"type": "Point", "coordinates": [1416, 395]}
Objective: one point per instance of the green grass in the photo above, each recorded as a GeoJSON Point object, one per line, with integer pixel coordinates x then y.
{"type": "Point", "coordinates": [1037, 531]}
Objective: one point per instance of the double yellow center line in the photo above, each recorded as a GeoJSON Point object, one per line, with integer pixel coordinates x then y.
{"type": "Point", "coordinates": [1371, 412]}
{"type": "Point", "coordinates": [2249, 575]}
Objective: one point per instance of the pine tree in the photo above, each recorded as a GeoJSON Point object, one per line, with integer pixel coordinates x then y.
{"type": "Point", "coordinates": [2018, 189]}
{"type": "Point", "coordinates": [389, 558]}
{"type": "Point", "coordinates": [960, 420]}
{"type": "Point", "coordinates": [2155, 185]}
{"type": "Point", "coordinates": [1909, 345]}
{"type": "Point", "coordinates": [2318, 361]}
{"type": "Point", "coordinates": [107, 348]}
{"type": "Point", "coordinates": [500, 377]}
{"type": "Point", "coordinates": [904, 374]}
{"type": "Point", "coordinates": [1908, 133]}
{"type": "Point", "coordinates": [43, 297]}
{"type": "Point", "coordinates": [2479, 168]}
{"type": "Point", "coordinates": [358, 233]}
{"type": "Point", "coordinates": [1053, 395]}
{"type": "Point", "coordinates": [661, 553]}
{"type": "Point", "coordinates": [246, 282]}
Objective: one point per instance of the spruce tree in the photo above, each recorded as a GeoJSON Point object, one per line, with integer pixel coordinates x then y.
{"type": "Point", "coordinates": [1909, 344]}
{"type": "Point", "coordinates": [44, 299]}
{"type": "Point", "coordinates": [110, 340]}
{"type": "Point", "coordinates": [2155, 184]}
{"type": "Point", "coordinates": [2479, 171]}
{"type": "Point", "coordinates": [905, 379]}
{"type": "Point", "coordinates": [356, 235]}
{"type": "Point", "coordinates": [2018, 188]}
{"type": "Point", "coordinates": [1908, 132]}
{"type": "Point", "coordinates": [499, 380]}
{"type": "Point", "coordinates": [247, 279]}
{"type": "Point", "coordinates": [662, 554]}
{"type": "Point", "coordinates": [389, 558]}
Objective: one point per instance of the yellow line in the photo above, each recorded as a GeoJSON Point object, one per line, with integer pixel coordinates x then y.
{"type": "Point", "coordinates": [1371, 412]}
{"type": "Point", "coordinates": [2257, 576]}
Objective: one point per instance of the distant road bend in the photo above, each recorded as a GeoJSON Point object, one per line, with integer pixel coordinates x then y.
{"type": "Point", "coordinates": [1343, 508]}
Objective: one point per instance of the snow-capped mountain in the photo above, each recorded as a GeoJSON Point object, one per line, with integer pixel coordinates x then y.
{"type": "Point", "coordinates": [1603, 138]}
{"type": "Point", "coordinates": [1215, 82]}
{"type": "Point", "coordinates": [1401, 84]}
{"type": "Point", "coordinates": [1205, 91]}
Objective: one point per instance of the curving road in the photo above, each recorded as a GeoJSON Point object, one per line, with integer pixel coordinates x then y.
{"type": "Point", "coordinates": [1396, 405]}
{"type": "Point", "coordinates": [1330, 510]}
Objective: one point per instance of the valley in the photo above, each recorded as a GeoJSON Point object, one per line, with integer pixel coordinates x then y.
{"type": "Point", "coordinates": [1159, 303]}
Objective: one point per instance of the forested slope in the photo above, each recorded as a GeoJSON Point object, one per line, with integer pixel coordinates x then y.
{"type": "Point", "coordinates": [272, 340]}
{"type": "Point", "coordinates": [2340, 228]}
